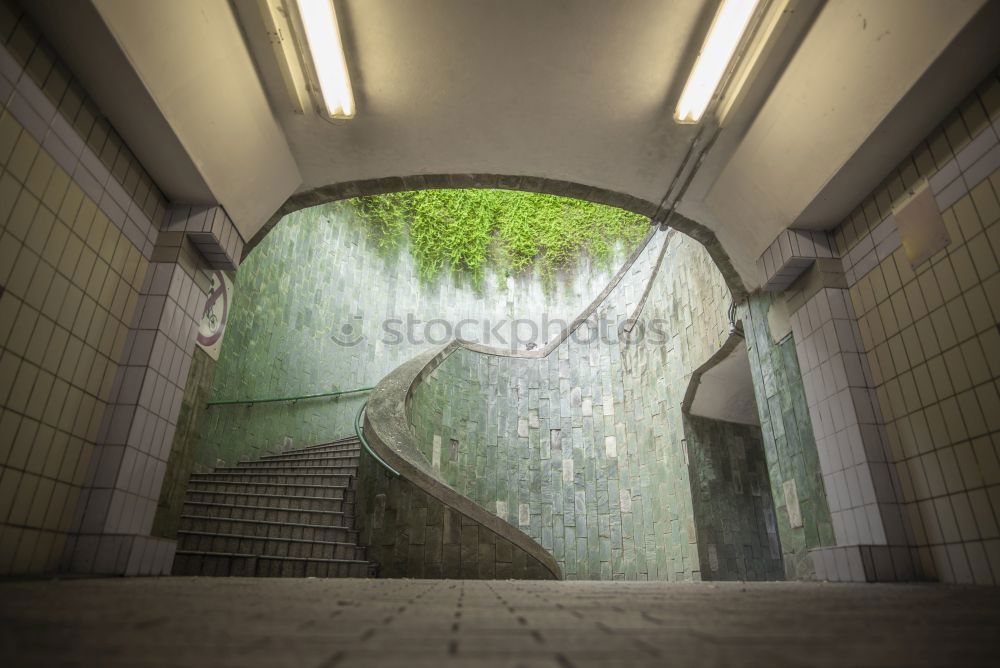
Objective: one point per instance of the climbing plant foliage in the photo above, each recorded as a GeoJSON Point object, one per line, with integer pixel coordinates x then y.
{"type": "Point", "coordinates": [468, 231]}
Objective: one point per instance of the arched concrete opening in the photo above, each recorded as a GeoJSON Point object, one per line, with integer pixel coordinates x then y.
{"type": "Point", "coordinates": [533, 184]}
{"type": "Point", "coordinates": [728, 466]}
{"type": "Point", "coordinates": [670, 284]}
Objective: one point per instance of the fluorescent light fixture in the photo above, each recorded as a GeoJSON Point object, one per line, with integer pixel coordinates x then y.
{"type": "Point", "coordinates": [723, 38]}
{"type": "Point", "coordinates": [277, 31]}
{"type": "Point", "coordinates": [319, 21]}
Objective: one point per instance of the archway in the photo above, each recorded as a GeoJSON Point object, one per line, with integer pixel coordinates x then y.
{"type": "Point", "coordinates": [535, 184]}
{"type": "Point", "coordinates": [446, 448]}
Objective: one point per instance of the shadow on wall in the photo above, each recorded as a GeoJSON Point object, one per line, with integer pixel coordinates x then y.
{"type": "Point", "coordinates": [731, 498]}
{"type": "Point", "coordinates": [181, 461]}
{"type": "Point", "coordinates": [789, 444]}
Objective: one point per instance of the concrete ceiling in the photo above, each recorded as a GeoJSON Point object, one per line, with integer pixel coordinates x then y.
{"type": "Point", "coordinates": [578, 90]}
{"type": "Point", "coordinates": [575, 90]}
{"type": "Point", "coordinates": [177, 82]}
{"type": "Point", "coordinates": [853, 70]}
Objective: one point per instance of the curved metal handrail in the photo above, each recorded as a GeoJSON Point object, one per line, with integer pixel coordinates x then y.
{"type": "Point", "coordinates": [358, 420]}
{"type": "Point", "coordinates": [230, 402]}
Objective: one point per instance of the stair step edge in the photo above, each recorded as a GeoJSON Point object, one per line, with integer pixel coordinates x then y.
{"type": "Point", "coordinates": [268, 522]}
{"type": "Point", "coordinates": [238, 555]}
{"type": "Point", "coordinates": [233, 505]}
{"type": "Point", "coordinates": [295, 459]}
{"type": "Point", "coordinates": [251, 472]}
{"type": "Point", "coordinates": [285, 484]}
{"type": "Point", "coordinates": [281, 469]}
{"type": "Point", "coordinates": [268, 538]}
{"type": "Point", "coordinates": [271, 496]}
{"type": "Point", "coordinates": [287, 475]}
{"type": "Point", "coordinates": [346, 471]}
{"type": "Point", "coordinates": [340, 441]}
{"type": "Point", "coordinates": [324, 449]}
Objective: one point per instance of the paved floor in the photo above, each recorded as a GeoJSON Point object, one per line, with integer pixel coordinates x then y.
{"type": "Point", "coordinates": [415, 623]}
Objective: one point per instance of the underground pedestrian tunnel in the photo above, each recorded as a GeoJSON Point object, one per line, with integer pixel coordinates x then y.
{"type": "Point", "coordinates": [647, 291]}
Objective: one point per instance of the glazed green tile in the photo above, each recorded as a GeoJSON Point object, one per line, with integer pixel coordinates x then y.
{"type": "Point", "coordinates": [495, 416]}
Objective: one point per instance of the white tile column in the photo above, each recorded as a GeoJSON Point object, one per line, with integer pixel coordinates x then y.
{"type": "Point", "coordinates": [110, 533]}
{"type": "Point", "coordinates": [873, 541]}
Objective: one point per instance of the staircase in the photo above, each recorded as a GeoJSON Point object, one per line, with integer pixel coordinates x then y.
{"type": "Point", "coordinates": [285, 515]}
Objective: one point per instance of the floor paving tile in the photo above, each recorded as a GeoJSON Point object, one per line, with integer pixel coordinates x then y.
{"type": "Point", "coordinates": [334, 623]}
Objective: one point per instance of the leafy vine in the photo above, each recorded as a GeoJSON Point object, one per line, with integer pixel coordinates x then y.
{"type": "Point", "coordinates": [466, 231]}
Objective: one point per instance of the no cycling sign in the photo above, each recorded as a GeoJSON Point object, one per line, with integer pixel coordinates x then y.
{"type": "Point", "coordinates": [213, 320]}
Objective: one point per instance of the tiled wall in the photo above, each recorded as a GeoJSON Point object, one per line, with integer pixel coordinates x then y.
{"type": "Point", "coordinates": [585, 450]}
{"type": "Point", "coordinates": [307, 317]}
{"type": "Point", "coordinates": [861, 488]}
{"type": "Point", "coordinates": [116, 509]}
{"type": "Point", "coordinates": [543, 443]}
{"type": "Point", "coordinates": [78, 218]}
{"type": "Point", "coordinates": [412, 534]}
{"type": "Point", "coordinates": [731, 498]}
{"type": "Point", "coordinates": [803, 515]}
{"type": "Point", "coordinates": [789, 255]}
{"type": "Point", "coordinates": [931, 341]}
{"type": "Point", "coordinates": [899, 364]}
{"type": "Point", "coordinates": [181, 459]}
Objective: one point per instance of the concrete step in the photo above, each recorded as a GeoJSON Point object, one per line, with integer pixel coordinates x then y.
{"type": "Point", "coordinates": [332, 450]}
{"type": "Point", "coordinates": [272, 547]}
{"type": "Point", "coordinates": [351, 442]}
{"type": "Point", "coordinates": [292, 469]}
{"type": "Point", "coordinates": [269, 478]}
{"type": "Point", "coordinates": [236, 487]}
{"type": "Point", "coordinates": [287, 514]}
{"type": "Point", "coordinates": [222, 564]}
{"type": "Point", "coordinates": [334, 460]}
{"type": "Point", "coordinates": [328, 518]}
{"type": "Point", "coordinates": [272, 501]}
{"type": "Point", "coordinates": [267, 529]}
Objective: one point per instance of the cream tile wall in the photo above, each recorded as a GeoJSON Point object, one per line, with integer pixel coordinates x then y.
{"type": "Point", "coordinates": [78, 222]}
{"type": "Point", "coordinates": [861, 488]}
{"type": "Point", "coordinates": [932, 343]}
{"type": "Point", "coordinates": [111, 527]}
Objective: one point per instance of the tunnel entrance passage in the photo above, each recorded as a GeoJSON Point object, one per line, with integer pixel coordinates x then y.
{"type": "Point", "coordinates": [576, 443]}
{"type": "Point", "coordinates": [731, 496]}
{"type": "Point", "coordinates": [733, 506]}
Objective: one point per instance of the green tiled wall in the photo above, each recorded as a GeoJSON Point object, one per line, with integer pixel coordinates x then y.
{"type": "Point", "coordinates": [789, 444]}
{"type": "Point", "coordinates": [585, 450]}
{"type": "Point", "coordinates": [409, 533]}
{"type": "Point", "coordinates": [315, 273]}
{"type": "Point", "coordinates": [733, 510]}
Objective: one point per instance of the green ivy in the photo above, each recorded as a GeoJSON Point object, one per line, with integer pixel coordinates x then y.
{"type": "Point", "coordinates": [467, 231]}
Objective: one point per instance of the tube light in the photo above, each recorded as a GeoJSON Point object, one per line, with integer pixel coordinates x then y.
{"type": "Point", "coordinates": [323, 38]}
{"type": "Point", "coordinates": [723, 38]}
